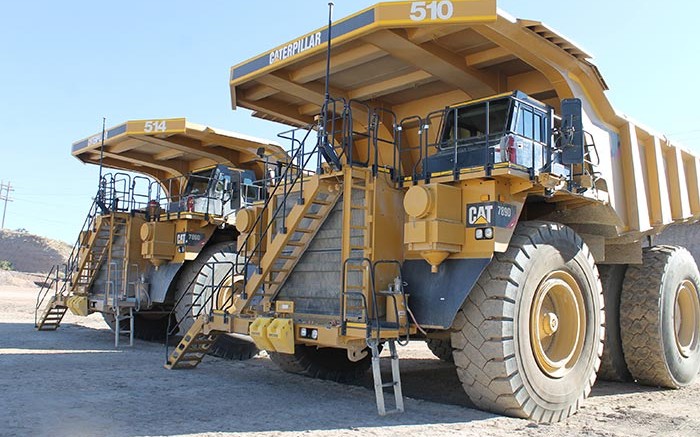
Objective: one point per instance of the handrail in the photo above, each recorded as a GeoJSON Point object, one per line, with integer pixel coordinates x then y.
{"type": "Point", "coordinates": [343, 294]}
{"type": "Point", "coordinates": [292, 177]}
{"type": "Point", "coordinates": [403, 294]}
{"type": "Point", "coordinates": [376, 122]}
{"type": "Point", "coordinates": [171, 330]}
{"type": "Point", "coordinates": [400, 150]}
{"type": "Point", "coordinates": [46, 287]}
{"type": "Point", "coordinates": [282, 180]}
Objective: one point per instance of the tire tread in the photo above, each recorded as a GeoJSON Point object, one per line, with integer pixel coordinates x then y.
{"type": "Point", "coordinates": [484, 350]}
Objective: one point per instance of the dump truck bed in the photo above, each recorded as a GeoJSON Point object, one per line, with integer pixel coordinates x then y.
{"type": "Point", "coordinates": [166, 148]}
{"type": "Point", "coordinates": [410, 60]}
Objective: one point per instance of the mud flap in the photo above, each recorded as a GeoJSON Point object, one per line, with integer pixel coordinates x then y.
{"type": "Point", "coordinates": [161, 280]}
{"type": "Point", "coordinates": [435, 298]}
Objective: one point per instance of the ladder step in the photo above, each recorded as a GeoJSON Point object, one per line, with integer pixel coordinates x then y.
{"type": "Point", "coordinates": [358, 207]}
{"type": "Point", "coordinates": [287, 257]}
{"type": "Point", "coordinates": [304, 230]}
{"type": "Point", "coordinates": [320, 202]}
{"type": "Point", "coordinates": [296, 243]}
{"type": "Point", "coordinates": [363, 228]}
{"type": "Point", "coordinates": [313, 216]}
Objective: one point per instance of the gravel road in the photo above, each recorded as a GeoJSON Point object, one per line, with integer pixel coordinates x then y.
{"type": "Point", "coordinates": [72, 382]}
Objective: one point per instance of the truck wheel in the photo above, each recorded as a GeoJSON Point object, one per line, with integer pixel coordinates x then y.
{"type": "Point", "coordinates": [660, 318]}
{"type": "Point", "coordinates": [323, 363]}
{"type": "Point", "coordinates": [195, 273]}
{"type": "Point", "coordinates": [146, 327]}
{"type": "Point", "coordinates": [528, 339]}
{"type": "Point", "coordinates": [441, 348]}
{"type": "Point", "coordinates": [612, 364]}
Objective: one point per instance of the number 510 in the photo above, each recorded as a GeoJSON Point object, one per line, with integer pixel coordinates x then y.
{"type": "Point", "coordinates": [442, 10]}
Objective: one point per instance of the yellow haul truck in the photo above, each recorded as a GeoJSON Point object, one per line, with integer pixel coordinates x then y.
{"type": "Point", "coordinates": [468, 184]}
{"type": "Point", "coordinates": [146, 238]}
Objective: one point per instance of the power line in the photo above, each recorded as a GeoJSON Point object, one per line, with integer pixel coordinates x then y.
{"type": "Point", "coordinates": [6, 197]}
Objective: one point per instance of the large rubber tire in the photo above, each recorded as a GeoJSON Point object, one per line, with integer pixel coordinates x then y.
{"type": "Point", "coordinates": [653, 295]}
{"type": "Point", "coordinates": [441, 348]}
{"type": "Point", "coordinates": [495, 341]}
{"type": "Point", "coordinates": [612, 364]}
{"type": "Point", "coordinates": [323, 363]}
{"type": "Point", "coordinates": [146, 327]}
{"type": "Point", "coordinates": [233, 347]}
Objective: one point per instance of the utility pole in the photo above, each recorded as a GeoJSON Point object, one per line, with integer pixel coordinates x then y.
{"type": "Point", "coordinates": [5, 189]}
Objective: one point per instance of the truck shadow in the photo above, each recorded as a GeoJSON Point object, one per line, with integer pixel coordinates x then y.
{"type": "Point", "coordinates": [218, 396]}
{"type": "Point", "coordinates": [432, 380]}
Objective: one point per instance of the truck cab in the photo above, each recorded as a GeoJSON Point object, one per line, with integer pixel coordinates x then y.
{"type": "Point", "coordinates": [218, 191]}
{"type": "Point", "coordinates": [512, 128]}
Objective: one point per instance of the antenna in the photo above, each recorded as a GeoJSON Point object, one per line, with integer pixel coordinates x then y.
{"type": "Point", "coordinates": [102, 145]}
{"type": "Point", "coordinates": [102, 150]}
{"type": "Point", "coordinates": [326, 149]}
{"type": "Point", "coordinates": [328, 51]}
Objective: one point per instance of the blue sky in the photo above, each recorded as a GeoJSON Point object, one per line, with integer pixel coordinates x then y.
{"type": "Point", "coordinates": [65, 65]}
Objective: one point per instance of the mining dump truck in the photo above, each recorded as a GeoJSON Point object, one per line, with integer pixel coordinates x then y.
{"type": "Point", "coordinates": [147, 235]}
{"type": "Point", "coordinates": [460, 179]}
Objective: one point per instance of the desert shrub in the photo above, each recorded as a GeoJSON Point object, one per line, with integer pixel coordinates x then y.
{"type": "Point", "coordinates": [6, 265]}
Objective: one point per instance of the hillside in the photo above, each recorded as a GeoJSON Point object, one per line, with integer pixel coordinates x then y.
{"type": "Point", "coordinates": [34, 254]}
{"type": "Point", "coordinates": [31, 253]}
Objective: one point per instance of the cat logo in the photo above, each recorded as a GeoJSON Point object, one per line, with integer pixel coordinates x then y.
{"type": "Point", "coordinates": [479, 214]}
{"type": "Point", "coordinates": [500, 215]}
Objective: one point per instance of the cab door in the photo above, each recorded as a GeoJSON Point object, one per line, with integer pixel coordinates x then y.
{"type": "Point", "coordinates": [530, 137]}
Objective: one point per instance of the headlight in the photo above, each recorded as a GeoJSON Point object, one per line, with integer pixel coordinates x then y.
{"type": "Point", "coordinates": [314, 334]}
{"type": "Point", "coordinates": [302, 332]}
{"type": "Point", "coordinates": [484, 234]}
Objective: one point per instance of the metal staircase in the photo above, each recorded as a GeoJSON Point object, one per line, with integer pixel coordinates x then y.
{"type": "Point", "coordinates": [280, 235]}
{"type": "Point", "coordinates": [52, 316]}
{"type": "Point", "coordinates": [301, 224]}
{"type": "Point", "coordinates": [286, 248]}
{"type": "Point", "coordinates": [102, 247]}
{"type": "Point", "coordinates": [194, 345]}
{"type": "Point", "coordinates": [298, 205]}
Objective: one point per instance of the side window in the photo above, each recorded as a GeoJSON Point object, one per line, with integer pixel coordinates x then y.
{"type": "Point", "coordinates": [538, 128]}
{"type": "Point", "coordinates": [529, 123]}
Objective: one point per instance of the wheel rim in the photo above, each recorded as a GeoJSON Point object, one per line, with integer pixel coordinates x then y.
{"type": "Point", "coordinates": [232, 285]}
{"type": "Point", "coordinates": [557, 324]}
{"type": "Point", "coordinates": [686, 317]}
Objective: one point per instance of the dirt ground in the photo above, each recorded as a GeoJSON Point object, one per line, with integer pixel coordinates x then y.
{"type": "Point", "coordinates": [72, 382]}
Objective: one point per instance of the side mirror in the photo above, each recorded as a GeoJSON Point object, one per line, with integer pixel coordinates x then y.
{"type": "Point", "coordinates": [572, 131]}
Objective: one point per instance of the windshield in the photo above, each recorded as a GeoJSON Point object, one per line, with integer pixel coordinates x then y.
{"type": "Point", "coordinates": [198, 182]}
{"type": "Point", "coordinates": [472, 120]}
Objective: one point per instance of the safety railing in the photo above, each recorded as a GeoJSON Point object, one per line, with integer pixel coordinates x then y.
{"type": "Point", "coordinates": [336, 133]}
{"type": "Point", "coordinates": [189, 307]}
{"type": "Point", "coordinates": [287, 179]}
{"type": "Point", "coordinates": [371, 318]}
{"type": "Point", "coordinates": [53, 282]}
